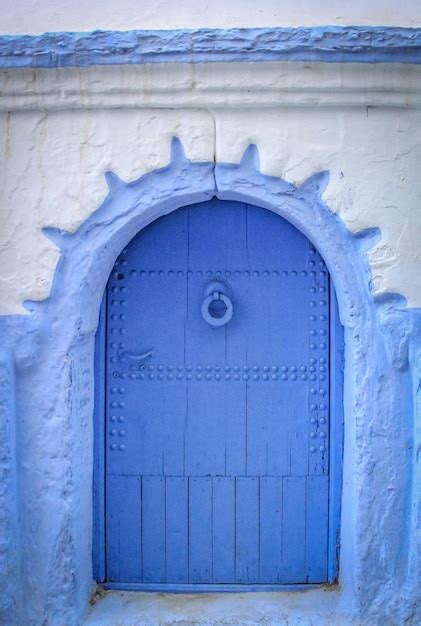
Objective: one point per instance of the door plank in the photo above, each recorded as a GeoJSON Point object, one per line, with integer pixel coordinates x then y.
{"type": "Point", "coordinates": [223, 530]}
{"type": "Point", "coordinates": [293, 529]}
{"type": "Point", "coordinates": [177, 530]}
{"type": "Point", "coordinates": [153, 528]}
{"type": "Point", "coordinates": [316, 528]}
{"type": "Point", "coordinates": [247, 530]}
{"type": "Point", "coordinates": [200, 530]}
{"type": "Point", "coordinates": [270, 530]}
{"type": "Point", "coordinates": [124, 527]}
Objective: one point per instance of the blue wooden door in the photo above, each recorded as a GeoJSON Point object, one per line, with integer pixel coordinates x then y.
{"type": "Point", "coordinates": [217, 391]}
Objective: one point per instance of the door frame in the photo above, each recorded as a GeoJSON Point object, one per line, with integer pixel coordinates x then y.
{"type": "Point", "coordinates": [336, 438]}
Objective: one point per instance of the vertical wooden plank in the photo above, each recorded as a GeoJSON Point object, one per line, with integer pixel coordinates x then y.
{"type": "Point", "coordinates": [177, 511]}
{"type": "Point", "coordinates": [153, 527]}
{"type": "Point", "coordinates": [247, 530]}
{"type": "Point", "coordinates": [124, 528]}
{"type": "Point", "coordinates": [204, 447]}
{"type": "Point", "coordinates": [298, 429]}
{"type": "Point", "coordinates": [224, 530]}
{"type": "Point", "coordinates": [268, 425]}
{"type": "Point", "coordinates": [200, 530]}
{"type": "Point", "coordinates": [293, 529]}
{"type": "Point", "coordinates": [336, 432]}
{"type": "Point", "coordinates": [271, 527]}
{"type": "Point", "coordinates": [316, 528]}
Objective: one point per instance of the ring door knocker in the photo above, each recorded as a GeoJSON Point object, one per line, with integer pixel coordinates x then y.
{"type": "Point", "coordinates": [217, 307]}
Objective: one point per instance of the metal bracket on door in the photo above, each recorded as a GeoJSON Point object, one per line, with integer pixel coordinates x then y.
{"type": "Point", "coordinates": [136, 357]}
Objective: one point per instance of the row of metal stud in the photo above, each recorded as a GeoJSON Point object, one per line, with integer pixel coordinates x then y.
{"type": "Point", "coordinates": [219, 273]}
{"type": "Point", "coordinates": [318, 437]}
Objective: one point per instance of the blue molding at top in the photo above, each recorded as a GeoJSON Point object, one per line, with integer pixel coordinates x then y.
{"type": "Point", "coordinates": [329, 44]}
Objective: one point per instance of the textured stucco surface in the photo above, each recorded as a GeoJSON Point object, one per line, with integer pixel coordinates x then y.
{"type": "Point", "coordinates": [53, 353]}
{"type": "Point", "coordinates": [61, 130]}
{"type": "Point", "coordinates": [37, 16]}
{"type": "Point", "coordinates": [303, 117]}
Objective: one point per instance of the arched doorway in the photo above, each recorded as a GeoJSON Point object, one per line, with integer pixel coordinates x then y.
{"type": "Point", "coordinates": [216, 342]}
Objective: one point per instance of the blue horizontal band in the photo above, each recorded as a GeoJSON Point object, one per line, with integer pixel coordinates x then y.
{"type": "Point", "coordinates": [329, 44]}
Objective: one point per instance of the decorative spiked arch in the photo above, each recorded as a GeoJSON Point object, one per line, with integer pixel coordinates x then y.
{"type": "Point", "coordinates": [53, 354]}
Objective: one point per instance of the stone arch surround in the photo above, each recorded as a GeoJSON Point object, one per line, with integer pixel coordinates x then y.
{"type": "Point", "coordinates": [50, 355]}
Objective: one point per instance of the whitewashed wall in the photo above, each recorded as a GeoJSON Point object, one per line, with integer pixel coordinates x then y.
{"type": "Point", "coordinates": [38, 16]}
{"type": "Point", "coordinates": [62, 129]}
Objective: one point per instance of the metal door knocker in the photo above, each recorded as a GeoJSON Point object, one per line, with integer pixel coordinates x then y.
{"type": "Point", "coordinates": [217, 307]}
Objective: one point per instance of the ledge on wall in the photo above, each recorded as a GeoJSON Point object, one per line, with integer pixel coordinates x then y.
{"type": "Point", "coordinates": [330, 44]}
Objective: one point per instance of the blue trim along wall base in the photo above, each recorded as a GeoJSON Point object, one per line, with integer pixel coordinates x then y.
{"type": "Point", "coordinates": [47, 505]}
{"type": "Point", "coordinates": [328, 44]}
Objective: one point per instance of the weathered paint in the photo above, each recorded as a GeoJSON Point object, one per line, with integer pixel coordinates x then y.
{"type": "Point", "coordinates": [329, 44]}
{"type": "Point", "coordinates": [53, 350]}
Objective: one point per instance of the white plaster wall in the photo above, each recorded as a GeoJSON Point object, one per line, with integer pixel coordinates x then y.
{"type": "Point", "coordinates": [62, 130]}
{"type": "Point", "coordinates": [38, 16]}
